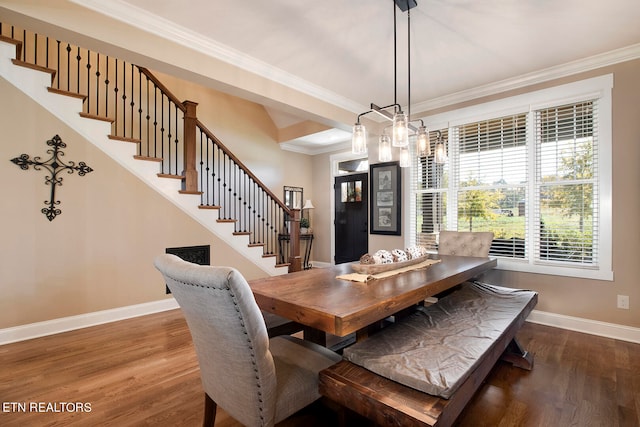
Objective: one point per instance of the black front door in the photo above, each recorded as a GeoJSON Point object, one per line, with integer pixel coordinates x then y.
{"type": "Point", "coordinates": [351, 195]}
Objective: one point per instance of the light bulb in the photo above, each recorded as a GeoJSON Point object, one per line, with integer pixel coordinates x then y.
{"type": "Point", "coordinates": [400, 130]}
{"type": "Point", "coordinates": [405, 160]}
{"type": "Point", "coordinates": [384, 148]}
{"type": "Point", "coordinates": [359, 139]}
{"type": "Point", "coordinates": [423, 145]}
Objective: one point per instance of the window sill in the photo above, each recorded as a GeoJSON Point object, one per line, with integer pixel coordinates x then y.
{"type": "Point", "coordinates": [583, 273]}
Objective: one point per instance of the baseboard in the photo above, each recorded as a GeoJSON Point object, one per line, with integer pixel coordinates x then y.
{"type": "Point", "coordinates": [320, 264]}
{"type": "Point", "coordinates": [64, 324]}
{"type": "Point", "coordinates": [592, 327]}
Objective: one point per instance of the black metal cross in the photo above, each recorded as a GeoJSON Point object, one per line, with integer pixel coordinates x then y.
{"type": "Point", "coordinates": [54, 165]}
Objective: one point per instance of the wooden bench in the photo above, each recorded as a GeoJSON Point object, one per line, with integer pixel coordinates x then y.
{"type": "Point", "coordinates": [390, 403]}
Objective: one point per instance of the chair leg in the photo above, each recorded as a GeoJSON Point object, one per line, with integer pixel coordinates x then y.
{"type": "Point", "coordinates": [209, 411]}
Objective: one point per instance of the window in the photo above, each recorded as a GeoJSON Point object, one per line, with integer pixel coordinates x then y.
{"type": "Point", "coordinates": [535, 173]}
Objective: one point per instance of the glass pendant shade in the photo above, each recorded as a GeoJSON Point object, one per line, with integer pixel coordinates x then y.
{"type": "Point", "coordinates": [400, 130]}
{"type": "Point", "coordinates": [440, 155]}
{"type": "Point", "coordinates": [384, 149]}
{"type": "Point", "coordinates": [405, 160]}
{"type": "Point", "coordinates": [423, 145]}
{"type": "Point", "coordinates": [359, 139]}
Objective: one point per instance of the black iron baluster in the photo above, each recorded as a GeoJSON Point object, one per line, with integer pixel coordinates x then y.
{"type": "Point", "coordinates": [78, 58]}
{"type": "Point", "coordinates": [68, 67]}
{"type": "Point", "coordinates": [204, 186]}
{"type": "Point", "coordinates": [106, 88]}
{"type": "Point", "coordinates": [148, 117]}
{"type": "Point", "coordinates": [35, 48]}
{"type": "Point", "coordinates": [140, 106]}
{"type": "Point", "coordinates": [24, 45]}
{"type": "Point", "coordinates": [162, 129]}
{"type": "Point", "coordinates": [177, 139]}
{"type": "Point", "coordinates": [89, 82]}
{"type": "Point", "coordinates": [132, 102]}
{"type": "Point", "coordinates": [46, 52]}
{"type": "Point", "coordinates": [115, 98]}
{"type": "Point", "coordinates": [155, 121]}
{"type": "Point", "coordinates": [224, 186]}
{"type": "Point", "coordinates": [98, 85]}
{"type": "Point", "coordinates": [169, 134]}
{"type": "Point", "coordinates": [58, 60]}
{"type": "Point", "coordinates": [124, 99]}
{"type": "Point", "coordinates": [216, 175]}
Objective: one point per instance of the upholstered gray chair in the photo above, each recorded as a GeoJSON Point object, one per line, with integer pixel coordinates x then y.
{"type": "Point", "coordinates": [257, 380]}
{"type": "Point", "coordinates": [465, 243]}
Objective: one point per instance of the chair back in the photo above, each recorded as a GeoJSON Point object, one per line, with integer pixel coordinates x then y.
{"type": "Point", "coordinates": [230, 337]}
{"type": "Point", "coordinates": [465, 243]}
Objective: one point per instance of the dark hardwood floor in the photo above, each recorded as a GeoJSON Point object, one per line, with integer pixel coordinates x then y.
{"type": "Point", "coordinates": [144, 372]}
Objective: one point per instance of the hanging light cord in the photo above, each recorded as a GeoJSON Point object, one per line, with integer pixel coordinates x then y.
{"type": "Point", "coordinates": [409, 65]}
{"type": "Point", "coordinates": [395, 59]}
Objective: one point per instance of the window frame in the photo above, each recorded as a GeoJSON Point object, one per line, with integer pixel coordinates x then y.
{"type": "Point", "coordinates": [596, 88]}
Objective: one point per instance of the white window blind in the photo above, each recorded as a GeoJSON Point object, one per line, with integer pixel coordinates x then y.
{"type": "Point", "coordinates": [432, 183]}
{"type": "Point", "coordinates": [491, 181]}
{"type": "Point", "coordinates": [566, 210]}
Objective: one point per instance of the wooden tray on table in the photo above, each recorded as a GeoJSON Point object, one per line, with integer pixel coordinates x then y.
{"type": "Point", "coordinates": [381, 268]}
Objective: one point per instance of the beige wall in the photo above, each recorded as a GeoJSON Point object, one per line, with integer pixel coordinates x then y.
{"type": "Point", "coordinates": [98, 253]}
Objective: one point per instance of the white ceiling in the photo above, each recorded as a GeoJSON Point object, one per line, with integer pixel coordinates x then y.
{"type": "Point", "coordinates": [343, 50]}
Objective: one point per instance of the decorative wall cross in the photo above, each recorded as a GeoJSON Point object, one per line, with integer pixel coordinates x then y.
{"type": "Point", "coordinates": [55, 166]}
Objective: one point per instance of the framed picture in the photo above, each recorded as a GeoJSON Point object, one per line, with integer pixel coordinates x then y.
{"type": "Point", "coordinates": [385, 191]}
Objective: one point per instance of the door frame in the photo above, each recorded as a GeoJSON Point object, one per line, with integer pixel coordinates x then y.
{"type": "Point", "coordinates": [334, 159]}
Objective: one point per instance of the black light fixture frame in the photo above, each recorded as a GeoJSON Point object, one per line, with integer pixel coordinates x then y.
{"type": "Point", "coordinates": [404, 6]}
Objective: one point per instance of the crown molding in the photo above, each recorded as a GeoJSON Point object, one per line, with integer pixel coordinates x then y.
{"type": "Point", "coordinates": [163, 28]}
{"type": "Point", "coordinates": [613, 57]}
{"type": "Point", "coordinates": [312, 151]}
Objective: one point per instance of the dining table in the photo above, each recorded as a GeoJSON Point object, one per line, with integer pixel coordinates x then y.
{"type": "Point", "coordinates": [325, 304]}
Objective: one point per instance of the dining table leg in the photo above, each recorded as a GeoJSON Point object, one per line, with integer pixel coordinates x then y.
{"type": "Point", "coordinates": [315, 335]}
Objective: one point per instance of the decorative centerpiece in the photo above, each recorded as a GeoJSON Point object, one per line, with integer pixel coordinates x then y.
{"type": "Point", "coordinates": [384, 260]}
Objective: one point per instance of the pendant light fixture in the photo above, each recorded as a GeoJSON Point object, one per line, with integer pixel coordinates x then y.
{"type": "Point", "coordinates": [440, 156]}
{"type": "Point", "coordinates": [402, 127]}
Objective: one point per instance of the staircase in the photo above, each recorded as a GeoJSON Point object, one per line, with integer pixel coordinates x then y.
{"type": "Point", "coordinates": [128, 114]}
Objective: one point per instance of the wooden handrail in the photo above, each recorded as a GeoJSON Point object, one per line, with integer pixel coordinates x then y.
{"type": "Point", "coordinates": [242, 166]}
{"type": "Point", "coordinates": [163, 88]}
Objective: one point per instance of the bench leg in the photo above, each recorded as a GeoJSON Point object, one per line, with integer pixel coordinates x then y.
{"type": "Point", "coordinates": [517, 356]}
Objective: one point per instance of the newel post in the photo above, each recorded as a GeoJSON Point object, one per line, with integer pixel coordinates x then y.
{"type": "Point", "coordinates": [190, 173]}
{"type": "Point", "coordinates": [295, 263]}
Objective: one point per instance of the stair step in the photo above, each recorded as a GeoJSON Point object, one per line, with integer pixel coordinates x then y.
{"type": "Point", "coordinates": [255, 245]}
{"type": "Point", "coordinates": [94, 117]}
{"type": "Point", "coordinates": [67, 93]}
{"type": "Point", "coordinates": [150, 159]}
{"type": "Point", "coordinates": [35, 67]}
{"type": "Point", "coordinates": [209, 207]}
{"type": "Point", "coordinates": [190, 192]}
{"type": "Point", "coordinates": [226, 220]}
{"type": "Point", "coordinates": [166, 175]}
{"type": "Point", "coordinates": [17, 43]}
{"type": "Point", "coordinates": [241, 233]}
{"type": "Point", "coordinates": [282, 265]}
{"type": "Point", "coordinates": [124, 139]}
{"type": "Point", "coordinates": [268, 255]}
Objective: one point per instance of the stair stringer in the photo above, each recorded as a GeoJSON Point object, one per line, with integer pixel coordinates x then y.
{"type": "Point", "coordinates": [34, 84]}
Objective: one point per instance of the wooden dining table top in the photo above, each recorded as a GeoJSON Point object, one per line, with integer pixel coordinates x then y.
{"type": "Point", "coordinates": [317, 299]}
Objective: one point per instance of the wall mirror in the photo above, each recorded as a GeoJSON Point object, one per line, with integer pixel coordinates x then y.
{"type": "Point", "coordinates": [293, 197]}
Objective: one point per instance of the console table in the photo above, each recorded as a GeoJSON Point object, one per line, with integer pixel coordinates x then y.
{"type": "Point", "coordinates": [283, 246]}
